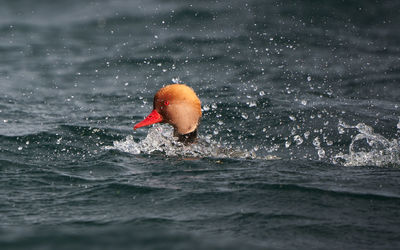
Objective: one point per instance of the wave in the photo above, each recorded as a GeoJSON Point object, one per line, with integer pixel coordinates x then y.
{"type": "Point", "coordinates": [325, 191]}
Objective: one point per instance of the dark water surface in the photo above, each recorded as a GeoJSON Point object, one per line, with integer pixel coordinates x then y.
{"type": "Point", "coordinates": [298, 142]}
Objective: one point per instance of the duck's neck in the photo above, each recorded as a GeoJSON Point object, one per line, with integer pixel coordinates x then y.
{"type": "Point", "coordinates": [188, 138]}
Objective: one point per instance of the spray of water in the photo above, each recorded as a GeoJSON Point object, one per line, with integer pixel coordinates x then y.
{"type": "Point", "coordinates": [160, 139]}
{"type": "Point", "coordinates": [368, 148]}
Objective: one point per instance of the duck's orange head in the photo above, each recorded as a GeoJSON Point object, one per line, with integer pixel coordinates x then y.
{"type": "Point", "coordinates": [178, 105]}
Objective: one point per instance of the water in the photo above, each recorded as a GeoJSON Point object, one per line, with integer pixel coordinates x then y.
{"type": "Point", "coordinates": [298, 142]}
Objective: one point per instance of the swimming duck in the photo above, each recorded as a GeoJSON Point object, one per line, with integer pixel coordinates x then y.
{"type": "Point", "coordinates": [178, 105]}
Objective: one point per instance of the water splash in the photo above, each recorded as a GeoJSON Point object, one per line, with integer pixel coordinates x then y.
{"type": "Point", "coordinates": [160, 139]}
{"type": "Point", "coordinates": [368, 148]}
{"type": "Point", "coordinates": [320, 150]}
{"type": "Point", "coordinates": [398, 125]}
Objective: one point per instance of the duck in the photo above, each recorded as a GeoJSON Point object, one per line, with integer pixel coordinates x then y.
{"type": "Point", "coordinates": [179, 106]}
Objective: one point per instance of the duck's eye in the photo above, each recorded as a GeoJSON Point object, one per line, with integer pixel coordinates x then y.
{"type": "Point", "coordinates": [166, 103]}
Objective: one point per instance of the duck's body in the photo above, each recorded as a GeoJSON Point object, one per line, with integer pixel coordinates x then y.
{"type": "Point", "coordinates": [178, 105]}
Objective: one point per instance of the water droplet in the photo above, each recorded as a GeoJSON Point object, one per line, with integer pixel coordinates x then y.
{"type": "Point", "coordinates": [262, 93]}
{"type": "Point", "coordinates": [220, 122]}
{"type": "Point", "coordinates": [252, 104]}
{"type": "Point", "coordinates": [287, 144]}
{"type": "Point", "coordinates": [304, 102]}
{"type": "Point", "coordinates": [245, 116]}
{"type": "Point", "coordinates": [214, 106]}
{"type": "Point", "coordinates": [206, 108]}
{"type": "Point", "coordinates": [316, 142]}
{"type": "Point", "coordinates": [176, 80]}
{"type": "Point", "coordinates": [19, 148]}
{"type": "Point", "coordinates": [292, 118]}
{"type": "Point", "coordinates": [298, 139]}
{"type": "Point", "coordinates": [59, 140]}
{"type": "Point", "coordinates": [398, 124]}
{"type": "Point", "coordinates": [321, 153]}
{"type": "Point", "coordinates": [309, 78]}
